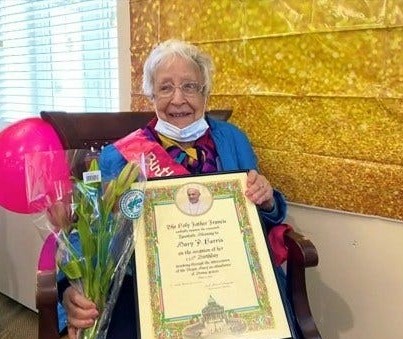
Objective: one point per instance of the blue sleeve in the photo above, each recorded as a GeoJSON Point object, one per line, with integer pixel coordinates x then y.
{"type": "Point", "coordinates": [61, 317]}
{"type": "Point", "coordinates": [236, 153]}
{"type": "Point", "coordinates": [111, 162]}
{"type": "Point", "coordinates": [233, 147]}
{"type": "Point", "coordinates": [277, 215]}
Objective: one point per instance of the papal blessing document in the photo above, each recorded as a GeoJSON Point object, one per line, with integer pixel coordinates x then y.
{"type": "Point", "coordinates": [202, 265]}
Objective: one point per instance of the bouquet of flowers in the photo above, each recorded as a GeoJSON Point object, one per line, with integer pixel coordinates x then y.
{"type": "Point", "coordinates": [93, 219]}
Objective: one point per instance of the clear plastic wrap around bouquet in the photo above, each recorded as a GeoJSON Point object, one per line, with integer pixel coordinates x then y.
{"type": "Point", "coordinates": [93, 219]}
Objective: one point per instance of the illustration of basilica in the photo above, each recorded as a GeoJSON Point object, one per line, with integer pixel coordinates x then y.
{"type": "Point", "coordinates": [213, 323]}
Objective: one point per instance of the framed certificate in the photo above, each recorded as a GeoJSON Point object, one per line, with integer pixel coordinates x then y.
{"type": "Point", "coordinates": [203, 269]}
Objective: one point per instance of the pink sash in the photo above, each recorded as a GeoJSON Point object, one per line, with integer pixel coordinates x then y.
{"type": "Point", "coordinates": [159, 163]}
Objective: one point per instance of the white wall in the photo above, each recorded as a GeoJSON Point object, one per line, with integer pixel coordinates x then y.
{"type": "Point", "coordinates": [123, 19]}
{"type": "Point", "coordinates": [357, 289]}
{"type": "Point", "coordinates": [20, 243]}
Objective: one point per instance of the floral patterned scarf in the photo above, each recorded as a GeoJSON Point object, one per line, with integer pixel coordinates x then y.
{"type": "Point", "coordinates": [200, 158]}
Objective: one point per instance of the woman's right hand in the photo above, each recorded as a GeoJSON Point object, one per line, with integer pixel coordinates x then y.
{"type": "Point", "coordinates": [81, 312]}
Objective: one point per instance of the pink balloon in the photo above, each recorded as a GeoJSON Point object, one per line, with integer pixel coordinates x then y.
{"type": "Point", "coordinates": [27, 136]}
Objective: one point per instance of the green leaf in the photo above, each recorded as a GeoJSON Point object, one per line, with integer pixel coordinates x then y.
{"type": "Point", "coordinates": [110, 197]}
{"type": "Point", "coordinates": [73, 269]}
{"type": "Point", "coordinates": [94, 165]}
{"type": "Point", "coordinates": [126, 177]}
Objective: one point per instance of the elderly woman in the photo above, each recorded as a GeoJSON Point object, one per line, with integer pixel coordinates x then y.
{"type": "Point", "coordinates": [177, 77]}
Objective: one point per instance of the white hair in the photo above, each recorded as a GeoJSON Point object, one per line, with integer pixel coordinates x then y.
{"type": "Point", "coordinates": [169, 49]}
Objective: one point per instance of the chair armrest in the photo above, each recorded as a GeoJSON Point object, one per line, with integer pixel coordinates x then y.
{"type": "Point", "coordinates": [301, 254]}
{"type": "Point", "coordinates": [46, 303]}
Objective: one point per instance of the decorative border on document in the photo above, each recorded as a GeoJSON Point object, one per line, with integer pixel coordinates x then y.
{"type": "Point", "coordinates": [256, 318]}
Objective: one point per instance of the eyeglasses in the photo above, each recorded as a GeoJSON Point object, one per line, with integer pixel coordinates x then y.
{"type": "Point", "coordinates": [188, 89]}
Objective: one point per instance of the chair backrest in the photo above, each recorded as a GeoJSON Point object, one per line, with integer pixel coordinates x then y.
{"type": "Point", "coordinates": [94, 130]}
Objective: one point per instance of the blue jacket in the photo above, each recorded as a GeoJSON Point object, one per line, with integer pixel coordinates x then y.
{"type": "Point", "coordinates": [234, 153]}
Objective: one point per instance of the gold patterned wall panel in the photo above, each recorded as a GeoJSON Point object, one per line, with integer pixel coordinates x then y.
{"type": "Point", "coordinates": [316, 85]}
{"type": "Point", "coordinates": [323, 64]}
{"type": "Point", "coordinates": [336, 183]}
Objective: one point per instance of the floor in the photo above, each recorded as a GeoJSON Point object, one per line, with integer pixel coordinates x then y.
{"type": "Point", "coordinates": [17, 321]}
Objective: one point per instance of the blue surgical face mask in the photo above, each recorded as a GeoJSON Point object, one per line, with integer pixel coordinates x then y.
{"type": "Point", "coordinates": [190, 133]}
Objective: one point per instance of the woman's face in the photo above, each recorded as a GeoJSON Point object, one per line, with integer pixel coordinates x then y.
{"type": "Point", "coordinates": [178, 106]}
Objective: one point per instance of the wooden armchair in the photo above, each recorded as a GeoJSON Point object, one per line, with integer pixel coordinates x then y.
{"type": "Point", "coordinates": [94, 130]}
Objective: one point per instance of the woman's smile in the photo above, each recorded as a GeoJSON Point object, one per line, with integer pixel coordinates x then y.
{"type": "Point", "coordinates": [179, 115]}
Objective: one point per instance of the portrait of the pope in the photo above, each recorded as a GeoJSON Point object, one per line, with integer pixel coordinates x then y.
{"type": "Point", "coordinates": [194, 199]}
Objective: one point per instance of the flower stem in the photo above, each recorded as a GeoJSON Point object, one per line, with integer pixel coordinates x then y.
{"type": "Point", "coordinates": [90, 332]}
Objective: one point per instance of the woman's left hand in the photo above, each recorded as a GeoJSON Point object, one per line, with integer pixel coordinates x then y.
{"type": "Point", "coordinates": [259, 190]}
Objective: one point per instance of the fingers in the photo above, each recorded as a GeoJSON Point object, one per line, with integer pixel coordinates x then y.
{"type": "Point", "coordinates": [259, 190]}
{"type": "Point", "coordinates": [72, 332]}
{"type": "Point", "coordinates": [251, 178]}
{"type": "Point", "coordinates": [76, 298]}
{"type": "Point", "coordinates": [81, 312]}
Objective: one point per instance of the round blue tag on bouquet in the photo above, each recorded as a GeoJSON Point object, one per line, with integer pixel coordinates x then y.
{"type": "Point", "coordinates": [131, 203]}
